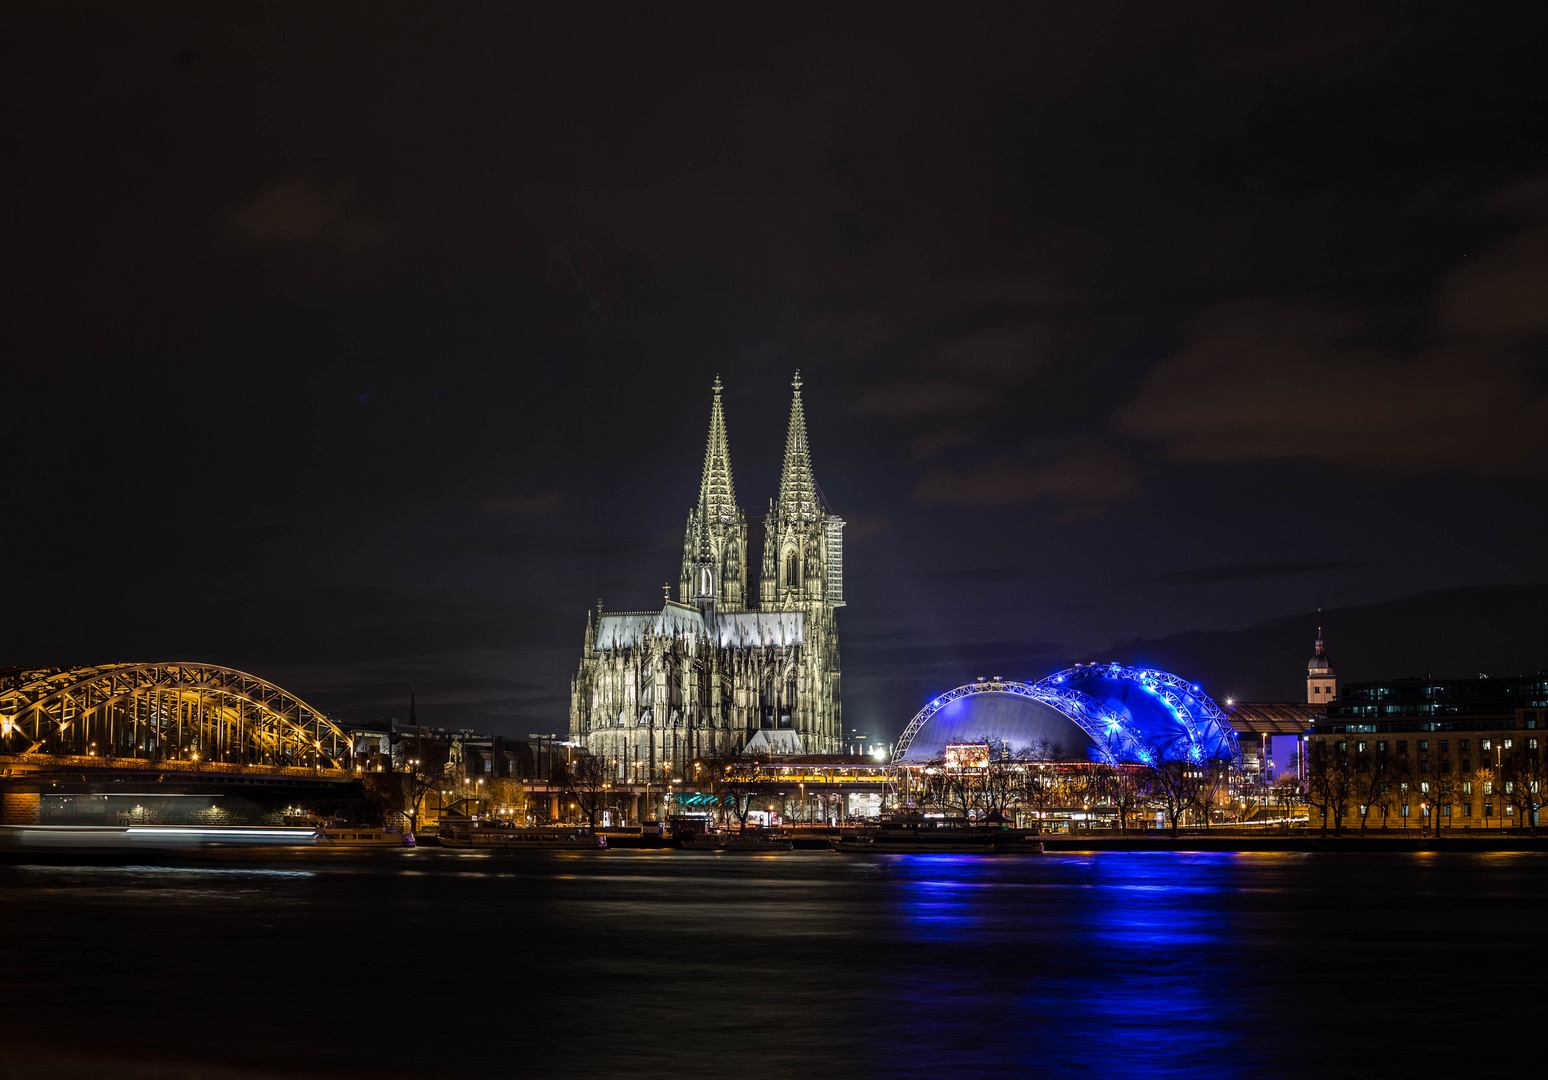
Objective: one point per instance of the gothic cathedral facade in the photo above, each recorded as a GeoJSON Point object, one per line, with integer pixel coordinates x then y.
{"type": "Point", "coordinates": [732, 664]}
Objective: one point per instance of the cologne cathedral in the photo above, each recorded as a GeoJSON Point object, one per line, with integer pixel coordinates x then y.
{"type": "Point", "coordinates": [721, 669]}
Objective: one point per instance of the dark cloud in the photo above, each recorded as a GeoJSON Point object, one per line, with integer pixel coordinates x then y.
{"type": "Point", "coordinates": [1265, 380]}
{"type": "Point", "coordinates": [544, 505]}
{"type": "Point", "coordinates": [1251, 571]}
{"type": "Point", "coordinates": [299, 211]}
{"type": "Point", "coordinates": [371, 346]}
{"type": "Point", "coordinates": [1084, 471]}
{"type": "Point", "coordinates": [922, 398]}
{"type": "Point", "coordinates": [1448, 633]}
{"type": "Point", "coordinates": [508, 544]}
{"type": "Point", "coordinates": [1005, 351]}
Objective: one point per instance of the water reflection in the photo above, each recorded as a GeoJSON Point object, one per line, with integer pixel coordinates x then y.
{"type": "Point", "coordinates": [661, 964]}
{"type": "Point", "coordinates": [1073, 966]}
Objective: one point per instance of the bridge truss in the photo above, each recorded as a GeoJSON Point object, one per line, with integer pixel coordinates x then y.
{"type": "Point", "coordinates": [165, 712]}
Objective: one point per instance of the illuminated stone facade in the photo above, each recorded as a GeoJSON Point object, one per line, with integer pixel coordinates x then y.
{"type": "Point", "coordinates": [711, 672]}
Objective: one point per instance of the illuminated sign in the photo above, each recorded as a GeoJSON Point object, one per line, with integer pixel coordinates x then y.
{"type": "Point", "coordinates": [961, 757]}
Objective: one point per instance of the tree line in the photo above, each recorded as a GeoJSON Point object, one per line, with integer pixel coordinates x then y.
{"type": "Point", "coordinates": [1370, 781]}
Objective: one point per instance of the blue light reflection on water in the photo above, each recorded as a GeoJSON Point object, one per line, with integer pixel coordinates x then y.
{"type": "Point", "coordinates": [1074, 966]}
{"type": "Point", "coordinates": [670, 964]}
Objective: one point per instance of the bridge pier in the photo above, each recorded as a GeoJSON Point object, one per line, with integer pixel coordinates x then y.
{"type": "Point", "coordinates": [22, 807]}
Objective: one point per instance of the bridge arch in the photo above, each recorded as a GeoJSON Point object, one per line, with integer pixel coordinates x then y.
{"type": "Point", "coordinates": [179, 711]}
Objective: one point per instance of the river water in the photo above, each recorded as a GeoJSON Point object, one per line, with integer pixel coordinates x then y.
{"type": "Point", "coordinates": [672, 964]}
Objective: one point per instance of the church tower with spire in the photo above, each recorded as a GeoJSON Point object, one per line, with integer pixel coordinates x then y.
{"type": "Point", "coordinates": [1321, 683]}
{"type": "Point", "coordinates": [715, 542]}
{"type": "Point", "coordinates": [803, 570]}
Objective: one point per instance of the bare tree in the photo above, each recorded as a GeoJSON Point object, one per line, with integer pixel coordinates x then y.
{"type": "Point", "coordinates": [1129, 792]}
{"type": "Point", "coordinates": [1329, 781]}
{"type": "Point", "coordinates": [998, 783]}
{"type": "Point", "coordinates": [1289, 793]}
{"type": "Point", "coordinates": [1179, 785]}
{"type": "Point", "coordinates": [1039, 780]}
{"type": "Point", "coordinates": [731, 785]}
{"type": "Point", "coordinates": [1438, 787]}
{"type": "Point", "coordinates": [584, 778]}
{"type": "Point", "coordinates": [1178, 782]}
{"type": "Point", "coordinates": [425, 765]}
{"type": "Point", "coordinates": [1486, 779]}
{"type": "Point", "coordinates": [1375, 784]}
{"type": "Point", "coordinates": [1090, 785]}
{"type": "Point", "coordinates": [1522, 779]}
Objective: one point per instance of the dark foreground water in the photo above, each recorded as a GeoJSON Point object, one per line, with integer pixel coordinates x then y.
{"type": "Point", "coordinates": [642, 963]}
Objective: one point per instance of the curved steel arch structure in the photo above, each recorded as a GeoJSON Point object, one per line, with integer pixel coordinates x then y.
{"type": "Point", "coordinates": [1208, 731]}
{"type": "Point", "coordinates": [165, 712]}
{"type": "Point", "coordinates": [1102, 724]}
{"type": "Point", "coordinates": [1119, 737]}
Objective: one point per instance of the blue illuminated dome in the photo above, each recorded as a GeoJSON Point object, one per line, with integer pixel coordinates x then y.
{"type": "Point", "coordinates": [1100, 712]}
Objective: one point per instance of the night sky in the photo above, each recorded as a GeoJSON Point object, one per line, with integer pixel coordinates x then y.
{"type": "Point", "coordinates": [367, 347]}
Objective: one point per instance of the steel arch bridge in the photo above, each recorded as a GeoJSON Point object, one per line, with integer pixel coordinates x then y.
{"type": "Point", "coordinates": [165, 712]}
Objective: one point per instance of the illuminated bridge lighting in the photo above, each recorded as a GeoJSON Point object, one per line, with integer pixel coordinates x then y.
{"type": "Point", "coordinates": [179, 714]}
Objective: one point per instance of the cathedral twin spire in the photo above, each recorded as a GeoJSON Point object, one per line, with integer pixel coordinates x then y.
{"type": "Point", "coordinates": [717, 493]}
{"type": "Point", "coordinates": [715, 546]}
{"type": "Point", "coordinates": [797, 485]}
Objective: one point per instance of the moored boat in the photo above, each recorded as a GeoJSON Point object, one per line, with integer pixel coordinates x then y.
{"type": "Point", "coordinates": [342, 834]}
